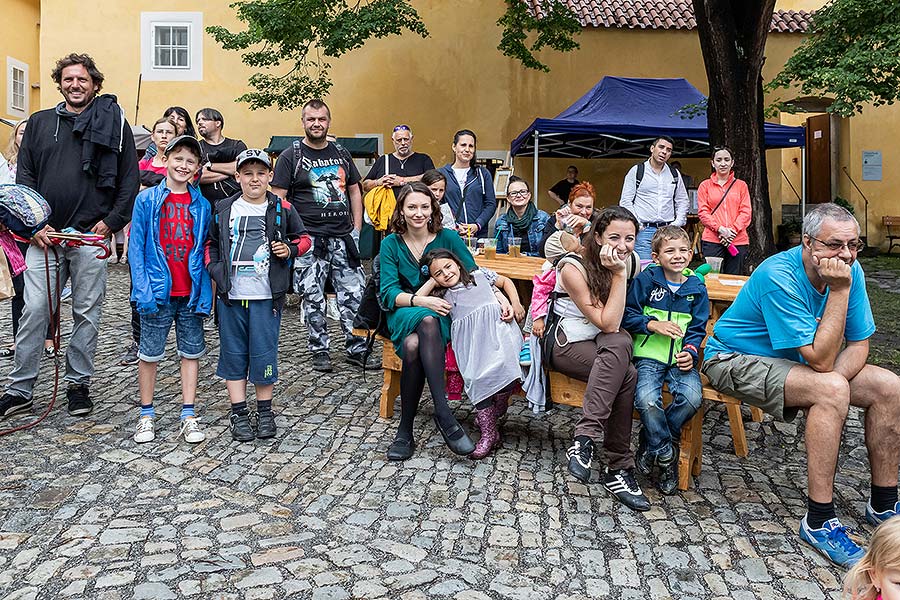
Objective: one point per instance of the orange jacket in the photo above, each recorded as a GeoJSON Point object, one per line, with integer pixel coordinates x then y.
{"type": "Point", "coordinates": [734, 213]}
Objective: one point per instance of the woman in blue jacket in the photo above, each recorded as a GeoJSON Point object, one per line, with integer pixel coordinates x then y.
{"type": "Point", "coordinates": [470, 188]}
{"type": "Point", "coordinates": [522, 220]}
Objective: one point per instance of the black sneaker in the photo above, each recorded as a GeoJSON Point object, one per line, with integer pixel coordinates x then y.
{"type": "Point", "coordinates": [241, 430]}
{"type": "Point", "coordinates": [265, 424]}
{"type": "Point", "coordinates": [11, 404]}
{"type": "Point", "coordinates": [131, 356]}
{"type": "Point", "coordinates": [668, 474]}
{"type": "Point", "coordinates": [580, 455]}
{"type": "Point", "coordinates": [321, 361]}
{"type": "Point", "coordinates": [621, 484]}
{"type": "Point", "coordinates": [79, 397]}
{"type": "Point", "coordinates": [643, 460]}
{"type": "Point", "coordinates": [357, 361]}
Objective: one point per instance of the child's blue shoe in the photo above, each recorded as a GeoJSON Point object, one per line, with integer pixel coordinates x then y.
{"type": "Point", "coordinates": [525, 355]}
{"type": "Point", "coordinates": [877, 518]}
{"type": "Point", "coordinates": [833, 541]}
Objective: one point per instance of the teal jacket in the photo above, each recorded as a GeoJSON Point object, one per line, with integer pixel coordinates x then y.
{"type": "Point", "coordinates": [650, 299]}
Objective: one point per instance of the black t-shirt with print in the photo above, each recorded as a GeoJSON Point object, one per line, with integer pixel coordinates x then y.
{"type": "Point", "coordinates": [225, 152]}
{"type": "Point", "coordinates": [319, 193]}
{"type": "Point", "coordinates": [415, 164]}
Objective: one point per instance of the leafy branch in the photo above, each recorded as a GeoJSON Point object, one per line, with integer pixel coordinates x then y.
{"type": "Point", "coordinates": [556, 29]}
{"type": "Point", "coordinates": [303, 35]}
{"type": "Point", "coordinates": [852, 54]}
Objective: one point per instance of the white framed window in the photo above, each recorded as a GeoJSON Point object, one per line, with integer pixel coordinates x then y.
{"type": "Point", "coordinates": [16, 87]}
{"type": "Point", "coordinates": [172, 46]}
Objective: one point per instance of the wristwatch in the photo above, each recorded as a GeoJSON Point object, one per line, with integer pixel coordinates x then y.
{"type": "Point", "coordinates": [208, 166]}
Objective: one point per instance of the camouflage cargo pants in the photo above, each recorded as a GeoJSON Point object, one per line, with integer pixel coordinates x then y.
{"type": "Point", "coordinates": [309, 281]}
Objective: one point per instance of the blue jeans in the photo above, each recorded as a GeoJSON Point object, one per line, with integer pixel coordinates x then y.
{"type": "Point", "coordinates": [155, 329]}
{"type": "Point", "coordinates": [662, 427]}
{"type": "Point", "coordinates": [642, 242]}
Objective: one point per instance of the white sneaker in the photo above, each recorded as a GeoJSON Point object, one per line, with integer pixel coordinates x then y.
{"type": "Point", "coordinates": [191, 431]}
{"type": "Point", "coordinates": [145, 432]}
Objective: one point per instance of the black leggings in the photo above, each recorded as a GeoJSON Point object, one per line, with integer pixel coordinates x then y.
{"type": "Point", "coordinates": [423, 359]}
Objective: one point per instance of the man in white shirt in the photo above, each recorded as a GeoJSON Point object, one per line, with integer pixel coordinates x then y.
{"type": "Point", "coordinates": [654, 192]}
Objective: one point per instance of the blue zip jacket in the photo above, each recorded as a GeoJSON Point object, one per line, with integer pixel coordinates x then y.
{"type": "Point", "coordinates": [650, 299]}
{"type": "Point", "coordinates": [535, 233]}
{"type": "Point", "coordinates": [151, 281]}
{"type": "Point", "coordinates": [480, 201]}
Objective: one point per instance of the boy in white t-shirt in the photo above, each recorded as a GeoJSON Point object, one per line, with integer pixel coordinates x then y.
{"type": "Point", "coordinates": [253, 240]}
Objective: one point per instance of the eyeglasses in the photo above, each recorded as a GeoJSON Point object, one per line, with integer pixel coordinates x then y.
{"type": "Point", "coordinates": [518, 194]}
{"type": "Point", "coordinates": [402, 128]}
{"type": "Point", "coordinates": [857, 246]}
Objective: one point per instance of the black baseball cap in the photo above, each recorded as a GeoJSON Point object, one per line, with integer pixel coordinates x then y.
{"type": "Point", "coordinates": [184, 140]}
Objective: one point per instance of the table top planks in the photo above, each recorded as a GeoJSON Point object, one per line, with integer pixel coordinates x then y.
{"type": "Point", "coordinates": [720, 287]}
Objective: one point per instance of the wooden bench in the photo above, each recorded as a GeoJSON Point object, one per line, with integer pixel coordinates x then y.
{"type": "Point", "coordinates": [890, 223]}
{"type": "Point", "coordinates": [570, 392]}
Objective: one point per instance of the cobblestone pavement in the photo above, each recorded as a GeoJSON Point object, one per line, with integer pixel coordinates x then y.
{"type": "Point", "coordinates": [319, 513]}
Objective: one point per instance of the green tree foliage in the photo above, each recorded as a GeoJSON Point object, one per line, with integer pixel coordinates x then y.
{"type": "Point", "coordinates": [556, 29]}
{"type": "Point", "coordinates": [291, 42]}
{"type": "Point", "coordinates": [852, 54]}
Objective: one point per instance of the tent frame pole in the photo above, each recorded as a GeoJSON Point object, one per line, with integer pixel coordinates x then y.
{"type": "Point", "coordinates": [537, 138]}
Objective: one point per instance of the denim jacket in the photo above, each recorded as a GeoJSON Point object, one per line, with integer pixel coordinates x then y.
{"type": "Point", "coordinates": [151, 281]}
{"type": "Point", "coordinates": [535, 233]}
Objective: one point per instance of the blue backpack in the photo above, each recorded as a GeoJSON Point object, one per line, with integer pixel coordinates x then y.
{"type": "Point", "coordinates": [22, 210]}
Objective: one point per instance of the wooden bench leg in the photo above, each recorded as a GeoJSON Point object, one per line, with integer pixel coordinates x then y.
{"type": "Point", "coordinates": [390, 389]}
{"type": "Point", "coordinates": [756, 414]}
{"type": "Point", "coordinates": [691, 458]}
{"type": "Point", "coordinates": [737, 429]}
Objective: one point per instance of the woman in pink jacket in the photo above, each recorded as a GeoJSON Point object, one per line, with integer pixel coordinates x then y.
{"type": "Point", "coordinates": [723, 204]}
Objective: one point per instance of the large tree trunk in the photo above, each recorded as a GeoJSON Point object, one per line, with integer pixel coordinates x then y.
{"type": "Point", "coordinates": [733, 40]}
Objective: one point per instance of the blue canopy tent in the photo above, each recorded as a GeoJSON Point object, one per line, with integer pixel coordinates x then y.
{"type": "Point", "coordinates": [620, 116]}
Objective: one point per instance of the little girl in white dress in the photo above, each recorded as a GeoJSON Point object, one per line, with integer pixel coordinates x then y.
{"type": "Point", "coordinates": [485, 337]}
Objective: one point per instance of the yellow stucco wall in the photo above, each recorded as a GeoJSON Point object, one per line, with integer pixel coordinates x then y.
{"type": "Point", "coordinates": [453, 79]}
{"type": "Point", "coordinates": [19, 39]}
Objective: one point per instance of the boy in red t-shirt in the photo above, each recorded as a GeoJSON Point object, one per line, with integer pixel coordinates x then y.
{"type": "Point", "coordinates": [170, 283]}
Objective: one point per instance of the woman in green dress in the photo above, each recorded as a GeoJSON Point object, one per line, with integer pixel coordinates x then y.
{"type": "Point", "coordinates": [419, 325]}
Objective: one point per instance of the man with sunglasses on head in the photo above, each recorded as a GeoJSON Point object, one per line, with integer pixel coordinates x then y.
{"type": "Point", "coordinates": [399, 167]}
{"type": "Point", "coordinates": [796, 338]}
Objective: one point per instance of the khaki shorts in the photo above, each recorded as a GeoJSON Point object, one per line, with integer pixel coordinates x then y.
{"type": "Point", "coordinates": [756, 380]}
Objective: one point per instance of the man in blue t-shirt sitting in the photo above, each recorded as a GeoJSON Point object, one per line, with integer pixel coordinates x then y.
{"type": "Point", "coordinates": [796, 338]}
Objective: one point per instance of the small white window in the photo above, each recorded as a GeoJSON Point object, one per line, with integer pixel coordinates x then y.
{"type": "Point", "coordinates": [16, 88]}
{"type": "Point", "coordinates": [172, 46]}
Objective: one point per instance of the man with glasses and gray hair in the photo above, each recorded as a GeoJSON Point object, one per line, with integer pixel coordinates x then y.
{"type": "Point", "coordinates": [399, 167]}
{"type": "Point", "coordinates": [796, 338]}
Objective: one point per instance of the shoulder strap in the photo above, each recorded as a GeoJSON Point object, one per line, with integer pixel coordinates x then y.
{"type": "Point", "coordinates": [298, 158]}
{"type": "Point", "coordinates": [344, 153]}
{"type": "Point", "coordinates": [723, 197]}
{"type": "Point", "coordinates": [675, 177]}
{"type": "Point", "coordinates": [387, 164]}
{"type": "Point", "coordinates": [638, 176]}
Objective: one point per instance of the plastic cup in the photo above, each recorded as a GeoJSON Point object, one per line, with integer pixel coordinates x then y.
{"type": "Point", "coordinates": [715, 263]}
{"type": "Point", "coordinates": [515, 247]}
{"type": "Point", "coordinates": [490, 247]}
{"type": "Point", "coordinates": [472, 245]}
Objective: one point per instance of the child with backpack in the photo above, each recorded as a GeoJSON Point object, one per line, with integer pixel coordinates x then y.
{"type": "Point", "coordinates": [253, 240]}
{"type": "Point", "coordinates": [169, 283]}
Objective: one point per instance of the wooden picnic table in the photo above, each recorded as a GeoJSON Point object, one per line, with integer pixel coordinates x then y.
{"type": "Point", "coordinates": [722, 289]}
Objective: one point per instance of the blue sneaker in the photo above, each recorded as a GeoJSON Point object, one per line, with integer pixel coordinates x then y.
{"type": "Point", "coordinates": [877, 518]}
{"type": "Point", "coordinates": [833, 541]}
{"type": "Point", "coordinates": [525, 355]}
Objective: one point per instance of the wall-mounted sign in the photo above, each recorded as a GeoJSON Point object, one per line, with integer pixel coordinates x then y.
{"type": "Point", "coordinates": [871, 163]}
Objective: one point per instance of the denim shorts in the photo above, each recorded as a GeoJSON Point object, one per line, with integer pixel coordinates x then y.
{"type": "Point", "coordinates": [248, 341]}
{"type": "Point", "coordinates": [155, 329]}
